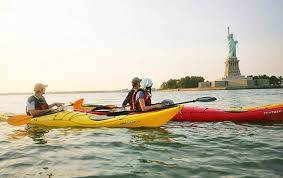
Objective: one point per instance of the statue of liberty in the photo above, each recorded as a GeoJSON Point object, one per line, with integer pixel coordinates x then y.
{"type": "Point", "coordinates": [232, 46]}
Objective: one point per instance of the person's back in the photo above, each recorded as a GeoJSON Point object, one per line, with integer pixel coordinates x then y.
{"type": "Point", "coordinates": [142, 97]}
{"type": "Point", "coordinates": [128, 98]}
{"type": "Point", "coordinates": [146, 84]}
{"type": "Point", "coordinates": [147, 96]}
{"type": "Point", "coordinates": [140, 94]}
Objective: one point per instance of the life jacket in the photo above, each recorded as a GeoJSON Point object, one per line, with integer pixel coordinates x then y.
{"type": "Point", "coordinates": [147, 96]}
{"type": "Point", "coordinates": [40, 103]}
{"type": "Point", "coordinates": [135, 105]}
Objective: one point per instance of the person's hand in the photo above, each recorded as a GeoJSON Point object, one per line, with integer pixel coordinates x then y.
{"type": "Point", "coordinates": [49, 109]}
{"type": "Point", "coordinates": [159, 106]}
{"type": "Point", "coordinates": [167, 102]}
{"type": "Point", "coordinates": [58, 104]}
{"type": "Point", "coordinates": [60, 108]}
{"type": "Point", "coordinates": [127, 108]}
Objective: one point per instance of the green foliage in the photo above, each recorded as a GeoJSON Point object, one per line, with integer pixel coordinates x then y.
{"type": "Point", "coordinates": [185, 82]}
{"type": "Point", "coordinates": [277, 81]}
{"type": "Point", "coordinates": [170, 84]}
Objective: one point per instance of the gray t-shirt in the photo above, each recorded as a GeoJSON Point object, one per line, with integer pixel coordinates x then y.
{"type": "Point", "coordinates": [32, 103]}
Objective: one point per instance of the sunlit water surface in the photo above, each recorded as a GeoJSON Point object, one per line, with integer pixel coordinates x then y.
{"type": "Point", "coordinates": [175, 150]}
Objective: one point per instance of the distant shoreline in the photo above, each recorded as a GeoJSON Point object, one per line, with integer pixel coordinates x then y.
{"type": "Point", "coordinates": [220, 88]}
{"type": "Point", "coordinates": [124, 90]}
{"type": "Point", "coordinates": [65, 92]}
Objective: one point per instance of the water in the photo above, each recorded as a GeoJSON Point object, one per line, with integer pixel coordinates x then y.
{"type": "Point", "coordinates": [175, 150]}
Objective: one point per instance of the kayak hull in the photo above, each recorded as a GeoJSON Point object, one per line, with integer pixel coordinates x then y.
{"type": "Point", "coordinates": [267, 113]}
{"type": "Point", "coordinates": [79, 119]}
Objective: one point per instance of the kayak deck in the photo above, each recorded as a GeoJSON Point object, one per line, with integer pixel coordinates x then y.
{"type": "Point", "coordinates": [266, 113]}
{"type": "Point", "coordinates": [79, 119]}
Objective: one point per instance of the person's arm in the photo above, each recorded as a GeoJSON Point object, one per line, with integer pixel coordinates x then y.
{"type": "Point", "coordinates": [126, 101]}
{"type": "Point", "coordinates": [34, 112]}
{"type": "Point", "coordinates": [55, 104]}
{"type": "Point", "coordinates": [148, 108]}
{"type": "Point", "coordinates": [39, 112]}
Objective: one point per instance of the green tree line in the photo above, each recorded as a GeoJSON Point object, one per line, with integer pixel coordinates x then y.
{"type": "Point", "coordinates": [185, 82]}
{"type": "Point", "coordinates": [273, 80]}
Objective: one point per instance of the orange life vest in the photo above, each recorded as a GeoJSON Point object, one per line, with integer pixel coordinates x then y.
{"type": "Point", "coordinates": [135, 105]}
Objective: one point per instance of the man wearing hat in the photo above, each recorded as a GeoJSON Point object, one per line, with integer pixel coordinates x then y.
{"type": "Point", "coordinates": [36, 104]}
{"type": "Point", "coordinates": [136, 98]}
{"type": "Point", "coordinates": [136, 84]}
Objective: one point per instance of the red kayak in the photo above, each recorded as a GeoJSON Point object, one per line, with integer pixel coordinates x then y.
{"type": "Point", "coordinates": [268, 113]}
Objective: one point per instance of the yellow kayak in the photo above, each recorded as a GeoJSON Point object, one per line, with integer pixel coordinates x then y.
{"type": "Point", "coordinates": [78, 119]}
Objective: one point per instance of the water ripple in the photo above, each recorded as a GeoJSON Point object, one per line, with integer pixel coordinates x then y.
{"type": "Point", "coordinates": [175, 150]}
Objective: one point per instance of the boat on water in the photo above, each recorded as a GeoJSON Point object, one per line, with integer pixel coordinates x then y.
{"type": "Point", "coordinates": [118, 119]}
{"type": "Point", "coordinates": [267, 113]}
{"type": "Point", "coordinates": [88, 116]}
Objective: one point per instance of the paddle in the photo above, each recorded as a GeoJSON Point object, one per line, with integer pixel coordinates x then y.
{"type": "Point", "coordinates": [99, 107]}
{"type": "Point", "coordinates": [77, 104]}
{"type": "Point", "coordinates": [202, 99]}
{"type": "Point", "coordinates": [22, 119]}
{"type": "Point", "coordinates": [95, 107]}
{"type": "Point", "coordinates": [110, 106]}
{"type": "Point", "coordinates": [18, 120]}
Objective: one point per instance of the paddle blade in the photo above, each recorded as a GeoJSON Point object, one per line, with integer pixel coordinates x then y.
{"type": "Point", "coordinates": [111, 106]}
{"type": "Point", "coordinates": [19, 120]}
{"type": "Point", "coordinates": [78, 104]}
{"type": "Point", "coordinates": [206, 99]}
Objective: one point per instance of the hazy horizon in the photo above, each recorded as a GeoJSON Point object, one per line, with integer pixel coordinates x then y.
{"type": "Point", "coordinates": [101, 45]}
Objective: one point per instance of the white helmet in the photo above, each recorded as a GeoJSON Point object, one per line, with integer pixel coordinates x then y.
{"type": "Point", "coordinates": [146, 82]}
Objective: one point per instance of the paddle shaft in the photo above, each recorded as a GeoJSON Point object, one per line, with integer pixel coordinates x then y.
{"type": "Point", "coordinates": [203, 99]}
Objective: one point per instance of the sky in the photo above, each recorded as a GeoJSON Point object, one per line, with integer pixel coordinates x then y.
{"type": "Point", "coordinates": [88, 45]}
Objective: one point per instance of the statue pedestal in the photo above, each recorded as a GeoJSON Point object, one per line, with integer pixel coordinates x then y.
{"type": "Point", "coordinates": [232, 70]}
